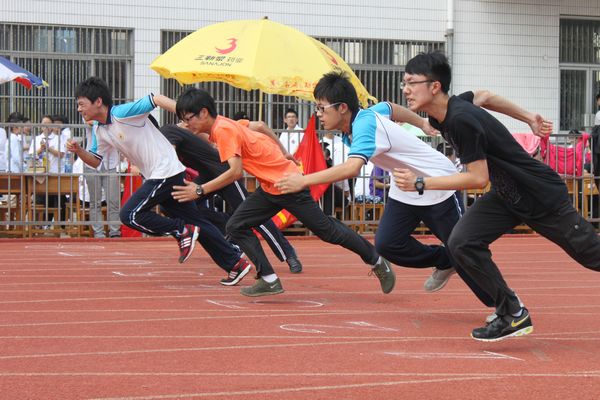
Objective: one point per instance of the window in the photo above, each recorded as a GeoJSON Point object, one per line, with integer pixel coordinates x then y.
{"type": "Point", "coordinates": [64, 56]}
{"type": "Point", "coordinates": [579, 72]}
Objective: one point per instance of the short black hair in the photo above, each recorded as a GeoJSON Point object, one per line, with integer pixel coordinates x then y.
{"type": "Point", "coordinates": [60, 117]}
{"type": "Point", "coordinates": [94, 88]}
{"type": "Point", "coordinates": [15, 117]}
{"type": "Point", "coordinates": [335, 87]}
{"type": "Point", "coordinates": [597, 96]}
{"type": "Point", "coordinates": [240, 115]}
{"type": "Point", "coordinates": [434, 65]}
{"type": "Point", "coordinates": [290, 110]}
{"type": "Point", "coordinates": [194, 100]}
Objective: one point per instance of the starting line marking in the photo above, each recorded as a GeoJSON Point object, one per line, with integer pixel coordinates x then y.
{"type": "Point", "coordinates": [485, 355]}
{"type": "Point", "coordinates": [313, 328]}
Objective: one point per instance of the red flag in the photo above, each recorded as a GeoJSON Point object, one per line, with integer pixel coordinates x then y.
{"type": "Point", "coordinates": [310, 154]}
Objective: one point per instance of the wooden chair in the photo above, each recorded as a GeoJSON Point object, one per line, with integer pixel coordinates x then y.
{"type": "Point", "coordinates": [365, 217]}
{"type": "Point", "coordinates": [42, 215]}
{"type": "Point", "coordinates": [13, 211]}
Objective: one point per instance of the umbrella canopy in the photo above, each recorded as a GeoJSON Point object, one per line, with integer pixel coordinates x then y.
{"type": "Point", "coordinates": [254, 54]}
{"type": "Point", "coordinates": [10, 71]}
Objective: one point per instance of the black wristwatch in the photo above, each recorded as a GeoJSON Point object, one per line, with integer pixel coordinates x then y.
{"type": "Point", "coordinates": [199, 190]}
{"type": "Point", "coordinates": [420, 185]}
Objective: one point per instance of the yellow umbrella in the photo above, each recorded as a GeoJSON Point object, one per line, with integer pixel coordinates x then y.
{"type": "Point", "coordinates": [254, 54]}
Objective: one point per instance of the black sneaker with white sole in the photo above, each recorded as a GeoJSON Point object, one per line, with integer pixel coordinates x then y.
{"type": "Point", "coordinates": [504, 326]}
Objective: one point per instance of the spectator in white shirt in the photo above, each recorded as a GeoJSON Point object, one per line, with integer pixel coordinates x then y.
{"type": "Point", "coordinates": [13, 147]}
{"type": "Point", "coordinates": [291, 138]}
{"type": "Point", "coordinates": [49, 144]}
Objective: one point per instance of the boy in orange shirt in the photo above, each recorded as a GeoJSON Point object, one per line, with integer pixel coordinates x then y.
{"type": "Point", "coordinates": [261, 155]}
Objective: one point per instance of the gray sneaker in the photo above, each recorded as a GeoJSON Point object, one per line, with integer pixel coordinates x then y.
{"type": "Point", "coordinates": [384, 272]}
{"type": "Point", "coordinates": [438, 279]}
{"type": "Point", "coordinates": [262, 288]}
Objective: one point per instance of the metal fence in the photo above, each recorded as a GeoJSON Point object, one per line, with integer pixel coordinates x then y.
{"type": "Point", "coordinates": [48, 197]}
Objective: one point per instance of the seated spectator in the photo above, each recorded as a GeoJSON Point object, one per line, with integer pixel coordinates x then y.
{"type": "Point", "coordinates": [379, 184]}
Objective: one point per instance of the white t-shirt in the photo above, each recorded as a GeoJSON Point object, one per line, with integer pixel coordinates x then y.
{"type": "Point", "coordinates": [386, 144]}
{"type": "Point", "coordinates": [54, 164]}
{"type": "Point", "coordinates": [597, 118]}
{"type": "Point", "coordinates": [129, 131]}
{"type": "Point", "coordinates": [3, 139]}
{"type": "Point", "coordinates": [110, 160]}
{"type": "Point", "coordinates": [291, 139]}
{"type": "Point", "coordinates": [13, 150]}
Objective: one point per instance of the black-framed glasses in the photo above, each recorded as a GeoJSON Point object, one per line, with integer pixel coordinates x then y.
{"type": "Point", "coordinates": [321, 109]}
{"type": "Point", "coordinates": [411, 83]}
{"type": "Point", "coordinates": [187, 119]}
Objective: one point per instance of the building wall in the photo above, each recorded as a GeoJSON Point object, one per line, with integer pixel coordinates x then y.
{"type": "Point", "coordinates": [508, 46]}
{"type": "Point", "coordinates": [511, 48]}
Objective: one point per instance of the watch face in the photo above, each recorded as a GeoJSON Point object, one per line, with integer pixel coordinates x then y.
{"type": "Point", "coordinates": [199, 190]}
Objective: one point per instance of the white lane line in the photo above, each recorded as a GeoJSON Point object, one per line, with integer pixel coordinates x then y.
{"type": "Point", "coordinates": [214, 348]}
{"type": "Point", "coordinates": [158, 273]}
{"type": "Point", "coordinates": [296, 389]}
{"type": "Point", "coordinates": [485, 355]}
{"type": "Point", "coordinates": [316, 328]}
{"type": "Point", "coordinates": [575, 374]}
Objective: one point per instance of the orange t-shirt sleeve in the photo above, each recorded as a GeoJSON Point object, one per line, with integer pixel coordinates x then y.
{"type": "Point", "coordinates": [229, 142]}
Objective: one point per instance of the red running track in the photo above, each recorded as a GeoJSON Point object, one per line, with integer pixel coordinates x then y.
{"type": "Point", "coordinates": [123, 320]}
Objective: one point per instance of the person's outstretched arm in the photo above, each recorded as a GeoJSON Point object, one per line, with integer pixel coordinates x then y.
{"type": "Point", "coordinates": [539, 125]}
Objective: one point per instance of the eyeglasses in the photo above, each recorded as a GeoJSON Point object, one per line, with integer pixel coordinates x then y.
{"type": "Point", "coordinates": [321, 109]}
{"type": "Point", "coordinates": [411, 83]}
{"type": "Point", "coordinates": [187, 119]}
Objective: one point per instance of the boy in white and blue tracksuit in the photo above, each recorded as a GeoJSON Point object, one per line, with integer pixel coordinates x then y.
{"type": "Point", "coordinates": [373, 136]}
{"type": "Point", "coordinates": [127, 129]}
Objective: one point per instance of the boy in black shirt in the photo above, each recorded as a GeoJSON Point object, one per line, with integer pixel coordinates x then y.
{"type": "Point", "coordinates": [522, 188]}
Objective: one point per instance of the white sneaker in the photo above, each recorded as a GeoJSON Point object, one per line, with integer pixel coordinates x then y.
{"type": "Point", "coordinates": [438, 279]}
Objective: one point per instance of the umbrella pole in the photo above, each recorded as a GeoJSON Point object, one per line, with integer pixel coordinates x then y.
{"type": "Point", "coordinates": [260, 105]}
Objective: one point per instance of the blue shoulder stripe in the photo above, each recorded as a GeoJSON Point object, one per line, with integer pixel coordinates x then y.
{"type": "Point", "coordinates": [364, 131]}
{"type": "Point", "coordinates": [139, 107]}
{"type": "Point", "coordinates": [384, 108]}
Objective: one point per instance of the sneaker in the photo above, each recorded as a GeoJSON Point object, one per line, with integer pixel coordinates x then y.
{"type": "Point", "coordinates": [438, 279]}
{"type": "Point", "coordinates": [493, 316]}
{"type": "Point", "coordinates": [237, 273]}
{"type": "Point", "coordinates": [262, 288]}
{"type": "Point", "coordinates": [490, 318]}
{"type": "Point", "coordinates": [295, 265]}
{"type": "Point", "coordinates": [383, 271]}
{"type": "Point", "coordinates": [503, 327]}
{"type": "Point", "coordinates": [187, 241]}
